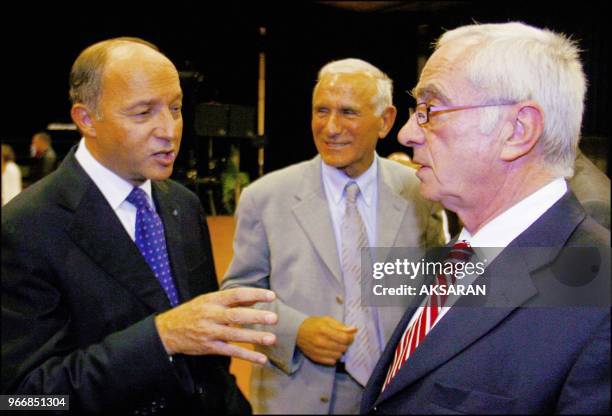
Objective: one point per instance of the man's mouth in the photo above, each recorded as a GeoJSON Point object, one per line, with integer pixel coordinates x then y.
{"type": "Point", "coordinates": [336, 145]}
{"type": "Point", "coordinates": [165, 157]}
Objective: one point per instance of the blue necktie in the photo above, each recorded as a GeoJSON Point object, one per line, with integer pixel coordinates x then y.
{"type": "Point", "coordinates": [151, 242]}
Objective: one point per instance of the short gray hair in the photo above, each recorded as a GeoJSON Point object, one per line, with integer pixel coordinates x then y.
{"type": "Point", "coordinates": [512, 62]}
{"type": "Point", "coordinates": [384, 84]}
{"type": "Point", "coordinates": [88, 68]}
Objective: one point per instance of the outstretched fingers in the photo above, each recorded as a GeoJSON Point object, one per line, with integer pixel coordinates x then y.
{"type": "Point", "coordinates": [231, 350]}
{"type": "Point", "coordinates": [233, 334]}
{"type": "Point", "coordinates": [246, 316]}
{"type": "Point", "coordinates": [241, 296]}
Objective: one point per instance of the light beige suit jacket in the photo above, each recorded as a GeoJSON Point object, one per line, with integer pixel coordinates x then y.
{"type": "Point", "coordinates": [285, 242]}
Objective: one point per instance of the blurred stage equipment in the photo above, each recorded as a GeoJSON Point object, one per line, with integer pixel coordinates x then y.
{"type": "Point", "coordinates": [261, 102]}
{"type": "Point", "coordinates": [219, 127]}
{"type": "Point", "coordinates": [230, 123]}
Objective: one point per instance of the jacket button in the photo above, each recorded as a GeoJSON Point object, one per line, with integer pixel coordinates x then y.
{"type": "Point", "coordinates": [339, 300]}
{"type": "Point", "coordinates": [325, 399]}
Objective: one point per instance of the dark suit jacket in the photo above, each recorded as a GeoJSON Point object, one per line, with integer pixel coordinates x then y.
{"type": "Point", "coordinates": [79, 300]}
{"type": "Point", "coordinates": [515, 358]}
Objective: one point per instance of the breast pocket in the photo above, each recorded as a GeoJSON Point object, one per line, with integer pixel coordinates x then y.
{"type": "Point", "coordinates": [461, 400]}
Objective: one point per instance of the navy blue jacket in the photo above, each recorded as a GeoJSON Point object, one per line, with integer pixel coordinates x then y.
{"type": "Point", "coordinates": [514, 357]}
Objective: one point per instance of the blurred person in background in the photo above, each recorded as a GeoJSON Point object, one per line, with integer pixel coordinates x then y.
{"type": "Point", "coordinates": [11, 174]}
{"type": "Point", "coordinates": [592, 188]}
{"type": "Point", "coordinates": [43, 155]}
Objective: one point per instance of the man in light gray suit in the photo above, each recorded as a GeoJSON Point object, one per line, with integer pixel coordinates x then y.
{"type": "Point", "coordinates": [592, 188]}
{"type": "Point", "coordinates": [291, 234]}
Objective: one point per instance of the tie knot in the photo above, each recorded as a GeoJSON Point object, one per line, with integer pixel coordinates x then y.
{"type": "Point", "coordinates": [461, 251]}
{"type": "Point", "coordinates": [138, 198]}
{"type": "Point", "coordinates": [352, 191]}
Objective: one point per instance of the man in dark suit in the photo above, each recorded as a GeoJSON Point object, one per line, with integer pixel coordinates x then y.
{"type": "Point", "coordinates": [44, 157]}
{"type": "Point", "coordinates": [88, 313]}
{"type": "Point", "coordinates": [492, 92]}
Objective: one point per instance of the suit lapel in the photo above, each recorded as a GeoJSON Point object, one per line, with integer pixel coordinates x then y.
{"type": "Point", "coordinates": [466, 322]}
{"type": "Point", "coordinates": [97, 231]}
{"type": "Point", "coordinates": [390, 213]}
{"type": "Point", "coordinates": [374, 385]}
{"type": "Point", "coordinates": [170, 214]}
{"type": "Point", "coordinates": [391, 209]}
{"type": "Point", "coordinates": [311, 211]}
{"type": "Point", "coordinates": [509, 276]}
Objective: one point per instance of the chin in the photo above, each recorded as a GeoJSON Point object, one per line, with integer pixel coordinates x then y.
{"type": "Point", "coordinates": [428, 193]}
{"type": "Point", "coordinates": [336, 162]}
{"type": "Point", "coordinates": [159, 175]}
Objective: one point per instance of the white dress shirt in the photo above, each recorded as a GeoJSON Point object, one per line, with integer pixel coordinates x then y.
{"type": "Point", "coordinates": [334, 182]}
{"type": "Point", "coordinates": [114, 188]}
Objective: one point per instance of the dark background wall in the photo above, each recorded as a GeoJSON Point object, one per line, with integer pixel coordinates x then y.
{"type": "Point", "coordinates": [220, 42]}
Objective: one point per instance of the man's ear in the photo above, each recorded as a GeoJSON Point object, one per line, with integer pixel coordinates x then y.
{"type": "Point", "coordinates": [525, 131]}
{"type": "Point", "coordinates": [387, 120]}
{"type": "Point", "coordinates": [83, 118]}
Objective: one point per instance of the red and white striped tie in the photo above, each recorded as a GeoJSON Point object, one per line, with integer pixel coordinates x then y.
{"type": "Point", "coordinates": [420, 327]}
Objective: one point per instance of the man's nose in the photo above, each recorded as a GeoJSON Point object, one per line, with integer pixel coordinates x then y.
{"type": "Point", "coordinates": [167, 124]}
{"type": "Point", "coordinates": [411, 134]}
{"type": "Point", "coordinates": [332, 125]}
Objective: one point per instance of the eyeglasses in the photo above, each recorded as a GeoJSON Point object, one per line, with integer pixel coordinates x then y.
{"type": "Point", "coordinates": [423, 111]}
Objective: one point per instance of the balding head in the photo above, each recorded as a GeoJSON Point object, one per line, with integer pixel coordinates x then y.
{"type": "Point", "coordinates": [87, 71]}
{"type": "Point", "coordinates": [127, 102]}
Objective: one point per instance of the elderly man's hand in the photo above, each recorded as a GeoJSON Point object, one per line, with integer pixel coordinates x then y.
{"type": "Point", "coordinates": [206, 324]}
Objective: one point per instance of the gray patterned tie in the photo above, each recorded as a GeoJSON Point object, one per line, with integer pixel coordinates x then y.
{"type": "Point", "coordinates": [364, 352]}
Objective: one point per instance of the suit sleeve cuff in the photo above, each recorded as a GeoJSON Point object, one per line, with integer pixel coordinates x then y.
{"type": "Point", "coordinates": [284, 353]}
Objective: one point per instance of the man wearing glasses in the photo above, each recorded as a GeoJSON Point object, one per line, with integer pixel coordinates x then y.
{"type": "Point", "coordinates": [495, 130]}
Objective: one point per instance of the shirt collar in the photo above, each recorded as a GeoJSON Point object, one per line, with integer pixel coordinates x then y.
{"type": "Point", "coordinates": [504, 228]}
{"type": "Point", "coordinates": [114, 188]}
{"type": "Point", "coordinates": [336, 181]}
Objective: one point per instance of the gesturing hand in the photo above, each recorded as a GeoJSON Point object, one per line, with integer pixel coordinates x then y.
{"type": "Point", "coordinates": [205, 325]}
